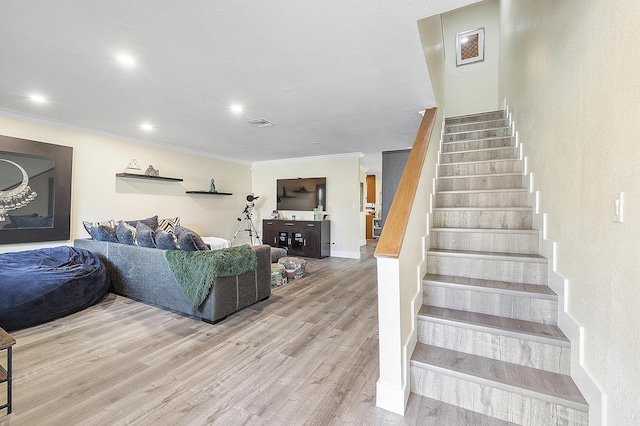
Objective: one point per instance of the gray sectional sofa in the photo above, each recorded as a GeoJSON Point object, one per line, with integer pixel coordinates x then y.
{"type": "Point", "coordinates": [143, 274]}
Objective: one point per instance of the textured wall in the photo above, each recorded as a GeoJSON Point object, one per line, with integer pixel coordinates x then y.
{"type": "Point", "coordinates": [569, 72]}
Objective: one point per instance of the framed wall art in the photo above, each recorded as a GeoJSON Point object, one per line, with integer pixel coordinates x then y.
{"type": "Point", "coordinates": [35, 191]}
{"type": "Point", "coordinates": [470, 47]}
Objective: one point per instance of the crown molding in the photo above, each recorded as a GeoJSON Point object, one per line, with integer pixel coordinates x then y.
{"type": "Point", "coordinates": [35, 119]}
{"type": "Point", "coordinates": [309, 159]}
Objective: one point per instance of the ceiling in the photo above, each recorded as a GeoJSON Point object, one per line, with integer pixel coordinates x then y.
{"type": "Point", "coordinates": [335, 77]}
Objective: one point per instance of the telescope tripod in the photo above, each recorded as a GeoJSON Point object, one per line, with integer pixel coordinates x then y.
{"type": "Point", "coordinates": [248, 226]}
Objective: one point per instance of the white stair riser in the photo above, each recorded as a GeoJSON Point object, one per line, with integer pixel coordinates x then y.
{"type": "Point", "coordinates": [482, 199]}
{"type": "Point", "coordinates": [465, 127]}
{"type": "Point", "coordinates": [476, 134]}
{"type": "Point", "coordinates": [487, 116]}
{"type": "Point", "coordinates": [492, 401]}
{"type": "Point", "coordinates": [488, 269]}
{"type": "Point", "coordinates": [516, 350]}
{"type": "Point", "coordinates": [479, 183]}
{"type": "Point", "coordinates": [484, 219]}
{"type": "Point", "coordinates": [479, 155]}
{"type": "Point", "coordinates": [482, 168]}
{"type": "Point", "coordinates": [485, 241]}
{"type": "Point", "coordinates": [505, 305]}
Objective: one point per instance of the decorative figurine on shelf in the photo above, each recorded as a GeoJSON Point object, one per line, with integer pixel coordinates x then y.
{"type": "Point", "coordinates": [151, 171]}
{"type": "Point", "coordinates": [212, 186]}
{"type": "Point", "coordinates": [133, 167]}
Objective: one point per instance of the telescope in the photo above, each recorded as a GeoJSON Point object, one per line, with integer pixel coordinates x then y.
{"type": "Point", "coordinates": [247, 224]}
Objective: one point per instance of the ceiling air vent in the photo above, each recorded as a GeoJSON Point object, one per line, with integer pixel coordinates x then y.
{"type": "Point", "coordinates": [260, 122]}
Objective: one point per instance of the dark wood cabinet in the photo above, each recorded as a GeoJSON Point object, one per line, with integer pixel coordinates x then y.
{"type": "Point", "coordinates": [308, 238]}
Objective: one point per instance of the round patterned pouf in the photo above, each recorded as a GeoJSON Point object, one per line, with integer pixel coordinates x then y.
{"type": "Point", "coordinates": [278, 275]}
{"type": "Point", "coordinates": [294, 266]}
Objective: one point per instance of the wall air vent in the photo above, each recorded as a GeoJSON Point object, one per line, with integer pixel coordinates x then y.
{"type": "Point", "coordinates": [260, 122]}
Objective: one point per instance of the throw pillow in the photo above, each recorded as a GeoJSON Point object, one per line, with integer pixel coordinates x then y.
{"type": "Point", "coordinates": [145, 236]}
{"type": "Point", "coordinates": [166, 240]}
{"type": "Point", "coordinates": [169, 224]}
{"type": "Point", "coordinates": [104, 233]}
{"type": "Point", "coordinates": [126, 233]}
{"type": "Point", "coordinates": [151, 222]}
{"type": "Point", "coordinates": [189, 240]}
{"type": "Point", "coordinates": [88, 225]}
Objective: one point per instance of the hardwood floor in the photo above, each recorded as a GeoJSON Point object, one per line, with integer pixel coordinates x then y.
{"type": "Point", "coordinates": [308, 355]}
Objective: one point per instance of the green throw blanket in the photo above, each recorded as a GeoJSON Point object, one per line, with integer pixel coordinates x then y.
{"type": "Point", "coordinates": [195, 271]}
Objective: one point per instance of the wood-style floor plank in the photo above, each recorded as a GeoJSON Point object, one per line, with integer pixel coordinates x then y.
{"type": "Point", "coordinates": [306, 356]}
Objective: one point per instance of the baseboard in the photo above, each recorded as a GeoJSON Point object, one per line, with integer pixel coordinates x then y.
{"type": "Point", "coordinates": [392, 398]}
{"type": "Point", "coordinates": [345, 254]}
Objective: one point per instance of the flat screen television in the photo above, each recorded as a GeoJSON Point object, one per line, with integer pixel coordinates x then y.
{"type": "Point", "coordinates": [302, 194]}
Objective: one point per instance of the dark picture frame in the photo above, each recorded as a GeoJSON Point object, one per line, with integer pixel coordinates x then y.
{"type": "Point", "coordinates": [59, 193]}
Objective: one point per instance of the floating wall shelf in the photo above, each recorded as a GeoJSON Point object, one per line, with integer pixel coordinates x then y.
{"type": "Point", "coordinates": [209, 193]}
{"type": "Point", "coordinates": [136, 176]}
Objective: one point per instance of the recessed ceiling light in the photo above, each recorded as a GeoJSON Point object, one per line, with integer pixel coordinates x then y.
{"type": "Point", "coordinates": [147, 127]}
{"type": "Point", "coordinates": [126, 59]}
{"type": "Point", "coordinates": [37, 98]}
{"type": "Point", "coordinates": [237, 108]}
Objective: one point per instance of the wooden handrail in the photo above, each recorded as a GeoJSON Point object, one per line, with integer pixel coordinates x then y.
{"type": "Point", "coordinates": [395, 225]}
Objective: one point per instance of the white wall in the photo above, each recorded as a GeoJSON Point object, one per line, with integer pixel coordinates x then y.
{"type": "Point", "coordinates": [343, 195]}
{"type": "Point", "coordinates": [569, 71]}
{"type": "Point", "coordinates": [98, 195]}
{"type": "Point", "coordinates": [473, 87]}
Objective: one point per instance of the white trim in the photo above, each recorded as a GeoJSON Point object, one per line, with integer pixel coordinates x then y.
{"type": "Point", "coordinates": [345, 254]}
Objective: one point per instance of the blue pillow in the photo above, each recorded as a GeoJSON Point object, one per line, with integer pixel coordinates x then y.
{"type": "Point", "coordinates": [166, 240]}
{"type": "Point", "coordinates": [126, 233]}
{"type": "Point", "coordinates": [104, 233]}
{"type": "Point", "coordinates": [145, 236]}
{"type": "Point", "coordinates": [189, 240]}
{"type": "Point", "coordinates": [151, 222]}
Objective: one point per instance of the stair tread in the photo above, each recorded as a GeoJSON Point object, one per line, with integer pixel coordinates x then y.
{"type": "Point", "coordinates": [547, 385]}
{"type": "Point", "coordinates": [477, 175]}
{"type": "Point", "coordinates": [529, 328]}
{"type": "Point", "coordinates": [484, 208]}
{"type": "Point", "coordinates": [491, 284]}
{"type": "Point", "coordinates": [431, 412]}
{"type": "Point", "coordinates": [487, 230]}
{"type": "Point", "coordinates": [490, 129]}
{"type": "Point", "coordinates": [489, 254]}
{"type": "Point", "coordinates": [475, 114]}
{"type": "Point", "coordinates": [478, 149]}
{"type": "Point", "coordinates": [465, 191]}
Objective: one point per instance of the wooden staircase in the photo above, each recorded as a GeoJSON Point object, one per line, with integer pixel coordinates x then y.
{"type": "Point", "coordinates": [488, 339]}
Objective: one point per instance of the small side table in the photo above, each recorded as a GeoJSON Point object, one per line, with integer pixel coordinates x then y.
{"type": "Point", "coordinates": [6, 343]}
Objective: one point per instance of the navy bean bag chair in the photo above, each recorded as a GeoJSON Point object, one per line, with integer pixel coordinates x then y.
{"type": "Point", "coordinates": [41, 285]}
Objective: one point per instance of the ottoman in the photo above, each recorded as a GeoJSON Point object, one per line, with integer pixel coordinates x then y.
{"type": "Point", "coordinates": [293, 266]}
{"type": "Point", "coordinates": [278, 275]}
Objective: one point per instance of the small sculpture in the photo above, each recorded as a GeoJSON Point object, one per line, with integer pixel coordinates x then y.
{"type": "Point", "coordinates": [212, 186]}
{"type": "Point", "coordinates": [151, 171]}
